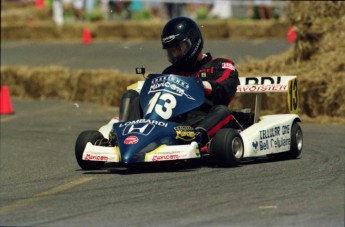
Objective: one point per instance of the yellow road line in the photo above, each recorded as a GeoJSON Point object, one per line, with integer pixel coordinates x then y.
{"type": "Point", "coordinates": [42, 195]}
{"type": "Point", "coordinates": [268, 207]}
{"type": "Point", "coordinates": [7, 118]}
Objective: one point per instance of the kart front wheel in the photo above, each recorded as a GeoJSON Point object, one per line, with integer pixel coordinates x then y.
{"type": "Point", "coordinates": [82, 140]}
{"type": "Point", "coordinates": [227, 148]}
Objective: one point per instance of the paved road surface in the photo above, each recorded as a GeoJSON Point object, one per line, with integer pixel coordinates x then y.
{"type": "Point", "coordinates": [125, 56]}
{"type": "Point", "coordinates": [42, 185]}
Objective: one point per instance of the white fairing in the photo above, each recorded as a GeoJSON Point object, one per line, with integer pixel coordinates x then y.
{"type": "Point", "coordinates": [272, 134]}
{"type": "Point", "coordinates": [174, 152]}
{"type": "Point", "coordinates": [162, 153]}
{"type": "Point", "coordinates": [100, 153]}
{"type": "Point", "coordinates": [105, 129]}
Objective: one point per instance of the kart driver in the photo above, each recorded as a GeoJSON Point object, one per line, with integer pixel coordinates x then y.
{"type": "Point", "coordinates": [183, 42]}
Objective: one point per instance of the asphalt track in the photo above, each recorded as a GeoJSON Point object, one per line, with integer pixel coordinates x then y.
{"type": "Point", "coordinates": [126, 55]}
{"type": "Point", "coordinates": [42, 185]}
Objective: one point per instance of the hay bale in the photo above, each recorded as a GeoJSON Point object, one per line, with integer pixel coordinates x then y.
{"type": "Point", "coordinates": [256, 29]}
{"type": "Point", "coordinates": [317, 59]}
{"type": "Point", "coordinates": [214, 29]}
{"type": "Point", "coordinates": [142, 29]}
{"type": "Point", "coordinates": [110, 30]}
{"type": "Point", "coordinates": [312, 21]}
{"type": "Point", "coordinates": [101, 86]}
{"type": "Point", "coordinates": [24, 14]}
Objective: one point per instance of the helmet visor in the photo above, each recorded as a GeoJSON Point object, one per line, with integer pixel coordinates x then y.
{"type": "Point", "coordinates": [179, 51]}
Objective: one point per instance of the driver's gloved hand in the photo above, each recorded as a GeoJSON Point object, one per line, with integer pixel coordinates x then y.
{"type": "Point", "coordinates": [207, 87]}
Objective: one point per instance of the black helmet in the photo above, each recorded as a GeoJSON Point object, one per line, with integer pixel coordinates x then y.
{"type": "Point", "coordinates": [182, 34]}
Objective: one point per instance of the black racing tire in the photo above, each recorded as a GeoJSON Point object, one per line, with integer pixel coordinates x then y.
{"type": "Point", "coordinates": [82, 140]}
{"type": "Point", "coordinates": [296, 141]}
{"type": "Point", "coordinates": [227, 148]}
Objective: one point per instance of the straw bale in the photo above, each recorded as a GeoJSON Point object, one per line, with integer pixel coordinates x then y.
{"type": "Point", "coordinates": [256, 29]}
{"type": "Point", "coordinates": [142, 29]}
{"type": "Point", "coordinates": [214, 29]}
{"type": "Point", "coordinates": [313, 20]}
{"type": "Point", "coordinates": [24, 14]}
{"type": "Point", "coordinates": [101, 86]}
{"type": "Point", "coordinates": [109, 30]}
{"type": "Point", "coordinates": [317, 59]}
{"type": "Point", "coordinates": [39, 25]}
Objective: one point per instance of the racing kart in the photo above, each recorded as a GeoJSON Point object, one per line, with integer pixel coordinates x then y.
{"type": "Point", "coordinates": [158, 138]}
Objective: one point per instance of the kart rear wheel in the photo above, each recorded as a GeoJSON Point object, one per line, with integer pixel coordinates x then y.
{"type": "Point", "coordinates": [227, 148]}
{"type": "Point", "coordinates": [82, 140]}
{"type": "Point", "coordinates": [296, 141]}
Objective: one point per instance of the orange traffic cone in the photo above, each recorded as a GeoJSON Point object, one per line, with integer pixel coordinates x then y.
{"type": "Point", "coordinates": [5, 101]}
{"type": "Point", "coordinates": [87, 38]}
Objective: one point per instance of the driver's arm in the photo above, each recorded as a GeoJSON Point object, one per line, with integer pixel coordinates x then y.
{"type": "Point", "coordinates": [225, 83]}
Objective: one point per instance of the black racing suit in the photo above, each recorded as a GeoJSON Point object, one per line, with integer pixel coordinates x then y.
{"type": "Point", "coordinates": [223, 77]}
{"type": "Point", "coordinates": [214, 113]}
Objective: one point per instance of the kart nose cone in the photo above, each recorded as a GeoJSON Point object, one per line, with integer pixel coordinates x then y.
{"type": "Point", "coordinates": [133, 158]}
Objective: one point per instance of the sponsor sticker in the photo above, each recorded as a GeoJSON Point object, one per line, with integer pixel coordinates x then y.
{"type": "Point", "coordinates": [264, 80]}
{"type": "Point", "coordinates": [144, 121]}
{"type": "Point", "coordinates": [171, 85]}
{"type": "Point", "coordinates": [255, 146]}
{"type": "Point", "coordinates": [203, 74]}
{"type": "Point", "coordinates": [90, 157]}
{"type": "Point", "coordinates": [273, 138]}
{"type": "Point", "coordinates": [138, 128]}
{"type": "Point", "coordinates": [131, 140]}
{"type": "Point", "coordinates": [185, 133]}
{"type": "Point", "coordinates": [164, 157]}
{"type": "Point", "coordinates": [170, 38]}
{"type": "Point", "coordinates": [228, 65]}
{"type": "Point", "coordinates": [261, 88]}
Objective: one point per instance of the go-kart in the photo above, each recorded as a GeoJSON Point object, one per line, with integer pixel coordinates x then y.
{"type": "Point", "coordinates": [157, 138]}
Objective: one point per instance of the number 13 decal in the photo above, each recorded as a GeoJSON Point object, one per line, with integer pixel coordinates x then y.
{"type": "Point", "coordinates": [165, 111]}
